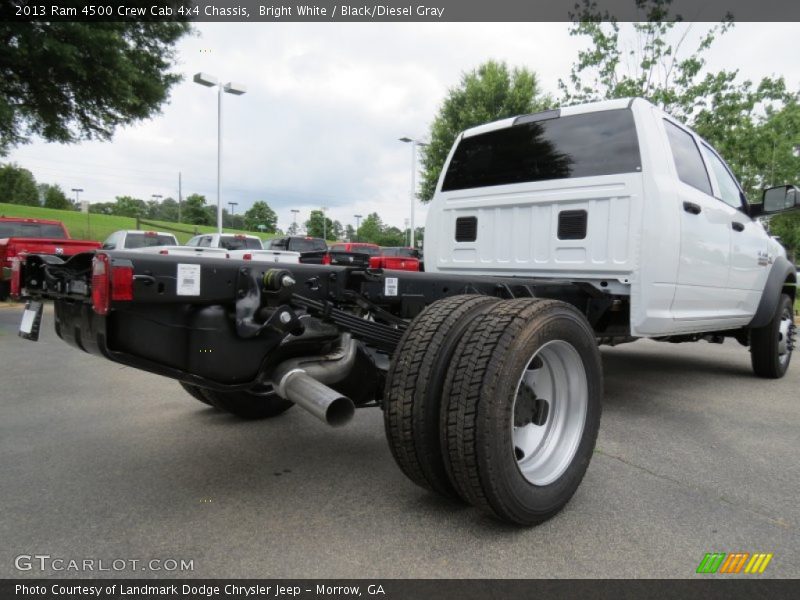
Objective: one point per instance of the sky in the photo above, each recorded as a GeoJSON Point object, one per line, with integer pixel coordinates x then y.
{"type": "Point", "coordinates": [326, 104]}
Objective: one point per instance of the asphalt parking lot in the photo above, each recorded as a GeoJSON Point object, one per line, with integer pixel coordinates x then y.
{"type": "Point", "coordinates": [98, 461]}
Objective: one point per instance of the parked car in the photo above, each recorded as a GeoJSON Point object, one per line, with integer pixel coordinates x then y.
{"type": "Point", "coordinates": [400, 258]}
{"type": "Point", "coordinates": [133, 239]}
{"type": "Point", "coordinates": [19, 236]}
{"type": "Point", "coordinates": [228, 241]}
{"type": "Point", "coordinates": [313, 250]}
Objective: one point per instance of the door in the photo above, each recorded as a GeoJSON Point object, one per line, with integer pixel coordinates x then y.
{"type": "Point", "coordinates": [701, 293]}
{"type": "Point", "coordinates": [748, 269]}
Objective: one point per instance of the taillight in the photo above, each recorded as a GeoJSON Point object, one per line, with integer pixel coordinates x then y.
{"type": "Point", "coordinates": [163, 251]}
{"type": "Point", "coordinates": [376, 262]}
{"type": "Point", "coordinates": [110, 283]}
{"type": "Point", "coordinates": [326, 259]}
{"type": "Point", "coordinates": [16, 277]}
{"type": "Point", "coordinates": [101, 288]}
{"type": "Point", "coordinates": [122, 284]}
{"type": "Point", "coordinates": [247, 256]}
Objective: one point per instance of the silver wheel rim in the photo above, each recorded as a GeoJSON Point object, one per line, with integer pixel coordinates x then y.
{"type": "Point", "coordinates": [549, 412]}
{"type": "Point", "coordinates": [786, 331]}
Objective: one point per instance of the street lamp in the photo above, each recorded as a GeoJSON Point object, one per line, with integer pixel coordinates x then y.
{"type": "Point", "coordinates": [229, 88]}
{"type": "Point", "coordinates": [78, 203]}
{"type": "Point", "coordinates": [156, 197]}
{"type": "Point", "coordinates": [231, 205]}
{"type": "Point", "coordinates": [294, 221]}
{"type": "Point", "coordinates": [358, 225]}
{"type": "Point", "coordinates": [414, 143]}
{"type": "Point", "coordinates": [324, 225]}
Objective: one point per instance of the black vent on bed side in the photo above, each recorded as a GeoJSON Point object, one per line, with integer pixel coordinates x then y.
{"type": "Point", "coordinates": [572, 225]}
{"type": "Point", "coordinates": [466, 229]}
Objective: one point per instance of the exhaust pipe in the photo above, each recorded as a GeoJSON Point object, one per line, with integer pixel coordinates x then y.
{"type": "Point", "coordinates": [302, 381]}
{"type": "Point", "coordinates": [317, 398]}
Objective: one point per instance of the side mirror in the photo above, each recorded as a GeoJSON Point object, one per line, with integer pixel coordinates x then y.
{"type": "Point", "coordinates": [777, 199]}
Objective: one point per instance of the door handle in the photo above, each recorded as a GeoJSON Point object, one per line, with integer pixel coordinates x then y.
{"type": "Point", "coordinates": [737, 226]}
{"type": "Point", "coordinates": [692, 208]}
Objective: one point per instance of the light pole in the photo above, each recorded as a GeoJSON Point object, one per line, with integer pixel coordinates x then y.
{"type": "Point", "coordinates": [414, 143]}
{"type": "Point", "coordinates": [358, 224]}
{"type": "Point", "coordinates": [231, 205]}
{"type": "Point", "coordinates": [156, 197]}
{"type": "Point", "coordinates": [229, 88]}
{"type": "Point", "coordinates": [324, 225]}
{"type": "Point", "coordinates": [78, 203]}
{"type": "Point", "coordinates": [294, 221]}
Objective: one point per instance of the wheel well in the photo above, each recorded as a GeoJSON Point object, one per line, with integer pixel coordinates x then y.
{"type": "Point", "coordinates": [790, 286]}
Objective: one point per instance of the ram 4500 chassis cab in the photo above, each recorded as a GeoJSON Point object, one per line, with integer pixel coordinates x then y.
{"type": "Point", "coordinates": [549, 234]}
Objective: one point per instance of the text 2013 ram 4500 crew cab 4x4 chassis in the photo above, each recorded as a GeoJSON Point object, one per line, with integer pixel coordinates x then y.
{"type": "Point", "coordinates": [548, 235]}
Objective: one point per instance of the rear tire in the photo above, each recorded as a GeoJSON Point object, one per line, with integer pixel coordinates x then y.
{"type": "Point", "coordinates": [521, 409]}
{"type": "Point", "coordinates": [411, 406]}
{"type": "Point", "coordinates": [771, 346]}
{"type": "Point", "coordinates": [247, 405]}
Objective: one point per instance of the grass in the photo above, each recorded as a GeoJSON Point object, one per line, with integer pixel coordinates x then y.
{"type": "Point", "coordinates": [99, 227]}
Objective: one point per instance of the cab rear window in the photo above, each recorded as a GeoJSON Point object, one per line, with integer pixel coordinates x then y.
{"type": "Point", "coordinates": [564, 147]}
{"type": "Point", "coordinates": [143, 240]}
{"type": "Point", "coordinates": [32, 230]}
{"type": "Point", "coordinates": [231, 242]}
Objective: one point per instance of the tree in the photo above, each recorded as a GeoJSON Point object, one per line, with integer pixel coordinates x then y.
{"type": "Point", "coordinates": [315, 228]}
{"type": "Point", "coordinates": [650, 60]}
{"type": "Point", "coordinates": [293, 229]}
{"type": "Point", "coordinates": [18, 186]}
{"type": "Point", "coordinates": [261, 214]}
{"type": "Point", "coordinates": [488, 93]}
{"type": "Point", "coordinates": [371, 229]}
{"type": "Point", "coordinates": [70, 81]}
{"type": "Point", "coordinates": [54, 197]}
{"type": "Point", "coordinates": [337, 230]}
{"type": "Point", "coordinates": [127, 206]}
{"type": "Point", "coordinates": [350, 233]}
{"type": "Point", "coordinates": [392, 236]}
{"type": "Point", "coordinates": [194, 211]}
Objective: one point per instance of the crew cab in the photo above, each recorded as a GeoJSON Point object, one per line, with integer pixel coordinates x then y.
{"type": "Point", "coordinates": [548, 235]}
{"type": "Point", "coordinates": [228, 241]}
{"type": "Point", "coordinates": [134, 239]}
{"type": "Point", "coordinates": [20, 236]}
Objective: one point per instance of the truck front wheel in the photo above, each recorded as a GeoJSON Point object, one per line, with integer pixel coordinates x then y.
{"type": "Point", "coordinates": [771, 346]}
{"type": "Point", "coordinates": [521, 409]}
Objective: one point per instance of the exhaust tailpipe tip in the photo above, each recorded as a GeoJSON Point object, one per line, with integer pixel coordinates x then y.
{"type": "Point", "coordinates": [317, 398]}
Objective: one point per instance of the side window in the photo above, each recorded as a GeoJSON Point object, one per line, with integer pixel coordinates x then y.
{"type": "Point", "coordinates": [204, 241]}
{"type": "Point", "coordinates": [193, 241]}
{"type": "Point", "coordinates": [728, 188]}
{"type": "Point", "coordinates": [688, 161]}
{"type": "Point", "coordinates": [111, 242]}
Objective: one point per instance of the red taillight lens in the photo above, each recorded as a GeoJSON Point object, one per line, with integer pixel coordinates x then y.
{"type": "Point", "coordinates": [375, 262]}
{"type": "Point", "coordinates": [109, 283]}
{"type": "Point", "coordinates": [326, 259]}
{"type": "Point", "coordinates": [16, 277]}
{"type": "Point", "coordinates": [247, 256]}
{"type": "Point", "coordinates": [101, 284]}
{"type": "Point", "coordinates": [122, 284]}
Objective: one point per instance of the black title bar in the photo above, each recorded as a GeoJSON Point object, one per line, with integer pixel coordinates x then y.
{"type": "Point", "coordinates": [384, 10]}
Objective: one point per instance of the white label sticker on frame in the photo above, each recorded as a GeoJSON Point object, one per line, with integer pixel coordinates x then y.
{"type": "Point", "coordinates": [188, 280]}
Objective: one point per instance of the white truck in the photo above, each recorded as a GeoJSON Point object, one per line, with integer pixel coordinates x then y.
{"type": "Point", "coordinates": [134, 239]}
{"type": "Point", "coordinates": [549, 235]}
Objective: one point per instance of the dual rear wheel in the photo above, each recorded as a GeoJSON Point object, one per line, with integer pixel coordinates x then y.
{"type": "Point", "coordinates": [496, 403]}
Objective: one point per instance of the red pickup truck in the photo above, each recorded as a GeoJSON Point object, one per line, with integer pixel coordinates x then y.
{"type": "Point", "coordinates": [34, 236]}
